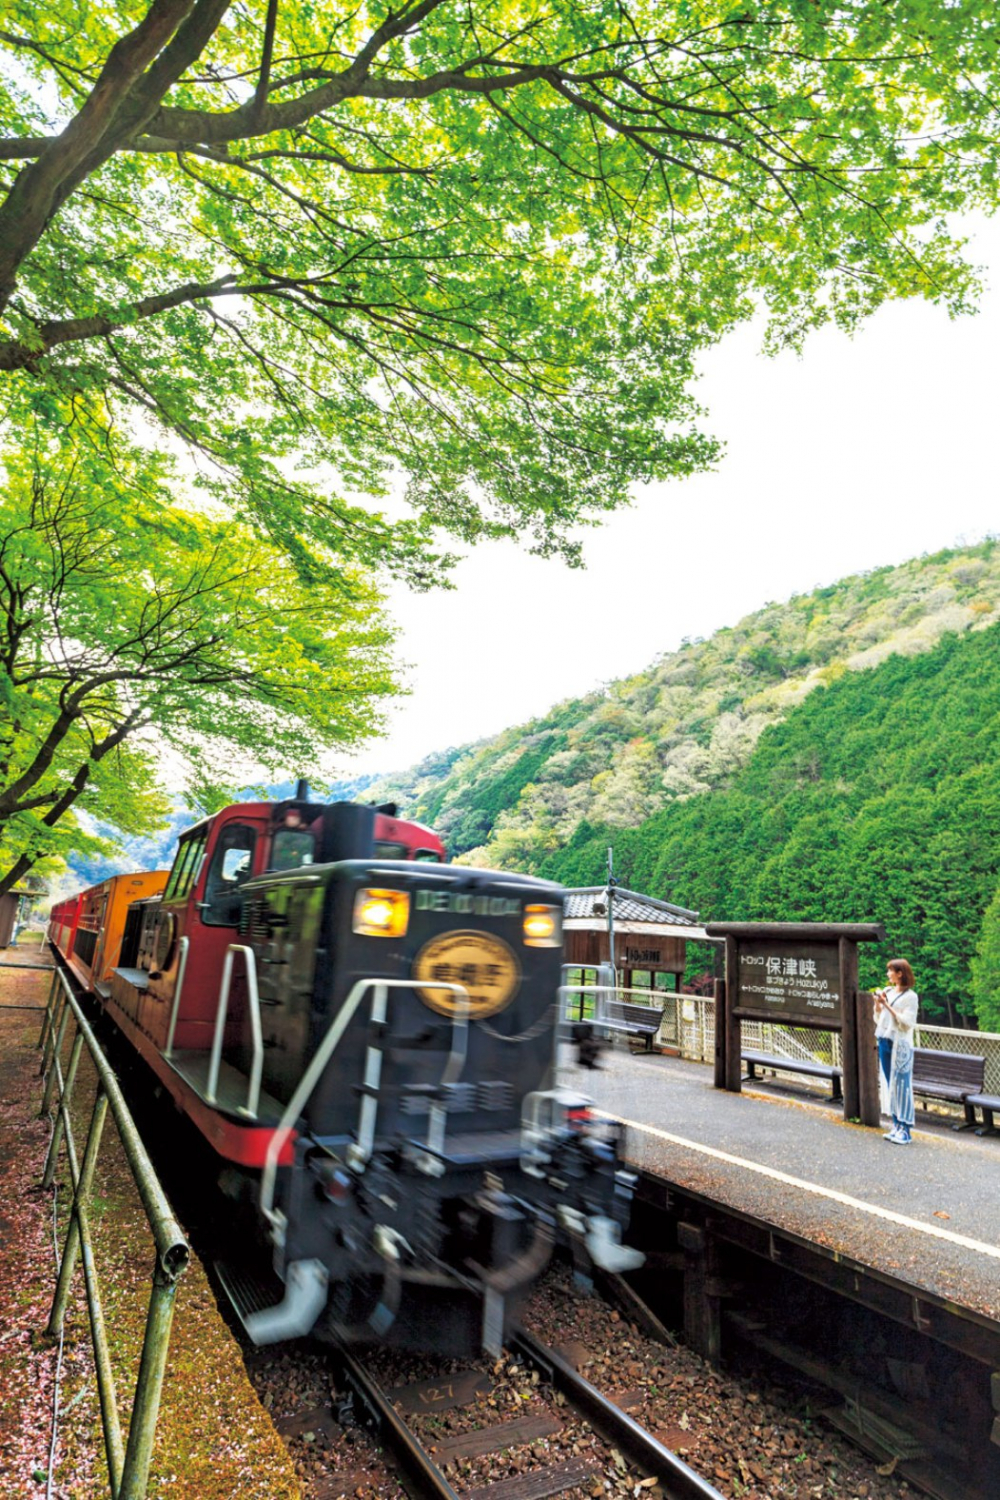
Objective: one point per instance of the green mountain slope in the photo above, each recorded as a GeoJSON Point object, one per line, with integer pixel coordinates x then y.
{"type": "Point", "coordinates": [690, 723]}
{"type": "Point", "coordinates": [878, 799]}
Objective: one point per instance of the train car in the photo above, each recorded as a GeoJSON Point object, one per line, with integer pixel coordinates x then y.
{"type": "Point", "coordinates": [366, 1037]}
{"type": "Point", "coordinates": [88, 928]}
{"type": "Point", "coordinates": [62, 922]}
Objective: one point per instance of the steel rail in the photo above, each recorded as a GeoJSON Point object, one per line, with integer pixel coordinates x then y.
{"type": "Point", "coordinates": [368, 1405]}
{"type": "Point", "coordinates": [678, 1481]}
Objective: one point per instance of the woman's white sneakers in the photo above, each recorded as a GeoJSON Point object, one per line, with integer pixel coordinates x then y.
{"type": "Point", "coordinates": [898, 1138]}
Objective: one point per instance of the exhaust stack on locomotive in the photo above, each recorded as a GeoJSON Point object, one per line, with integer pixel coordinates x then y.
{"type": "Point", "coordinates": [368, 1035]}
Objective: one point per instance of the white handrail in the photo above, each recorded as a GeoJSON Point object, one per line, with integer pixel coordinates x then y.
{"type": "Point", "coordinates": [215, 1062]}
{"type": "Point", "coordinates": [437, 1117]}
{"type": "Point", "coordinates": [311, 1076]}
{"type": "Point", "coordinates": [183, 947]}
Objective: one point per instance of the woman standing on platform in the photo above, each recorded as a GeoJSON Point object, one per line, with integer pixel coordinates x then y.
{"type": "Point", "coordinates": [900, 1004]}
{"type": "Point", "coordinates": [883, 1042]}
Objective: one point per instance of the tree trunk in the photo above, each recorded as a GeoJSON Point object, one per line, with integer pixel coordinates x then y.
{"type": "Point", "coordinates": [16, 872]}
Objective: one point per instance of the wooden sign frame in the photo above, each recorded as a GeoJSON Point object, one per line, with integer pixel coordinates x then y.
{"type": "Point", "coordinates": [799, 974]}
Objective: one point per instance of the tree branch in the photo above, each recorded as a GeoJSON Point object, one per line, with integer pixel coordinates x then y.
{"type": "Point", "coordinates": [40, 190]}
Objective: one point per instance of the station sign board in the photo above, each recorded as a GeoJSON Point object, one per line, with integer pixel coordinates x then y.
{"type": "Point", "coordinates": [798, 974]}
{"type": "Point", "coordinates": [789, 981]}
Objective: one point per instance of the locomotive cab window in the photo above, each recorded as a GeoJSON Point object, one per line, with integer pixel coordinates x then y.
{"type": "Point", "coordinates": [186, 866]}
{"type": "Point", "coordinates": [232, 865]}
{"type": "Point", "coordinates": [390, 849]}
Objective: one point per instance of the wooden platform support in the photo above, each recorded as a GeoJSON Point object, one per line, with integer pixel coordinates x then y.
{"type": "Point", "coordinates": [702, 1304]}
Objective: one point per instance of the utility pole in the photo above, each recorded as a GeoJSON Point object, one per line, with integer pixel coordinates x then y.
{"type": "Point", "coordinates": [612, 882]}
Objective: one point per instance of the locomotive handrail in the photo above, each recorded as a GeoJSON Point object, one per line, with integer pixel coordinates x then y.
{"type": "Point", "coordinates": [182, 959]}
{"type": "Point", "coordinates": [128, 1463]}
{"type": "Point", "coordinates": [311, 1076]}
{"type": "Point", "coordinates": [437, 1118]}
{"type": "Point", "coordinates": [256, 1032]}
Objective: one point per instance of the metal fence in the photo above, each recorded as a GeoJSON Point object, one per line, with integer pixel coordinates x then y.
{"type": "Point", "coordinates": [128, 1461]}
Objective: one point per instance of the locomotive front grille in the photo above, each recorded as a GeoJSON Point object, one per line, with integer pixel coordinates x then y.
{"type": "Point", "coordinates": [457, 1098]}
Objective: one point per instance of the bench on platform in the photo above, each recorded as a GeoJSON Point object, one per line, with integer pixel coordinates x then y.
{"type": "Point", "coordinates": [987, 1103]}
{"type": "Point", "coordinates": [810, 1068]}
{"type": "Point", "coordinates": [956, 1078]}
{"type": "Point", "coordinates": [642, 1021]}
{"type": "Point", "coordinates": [952, 1077]}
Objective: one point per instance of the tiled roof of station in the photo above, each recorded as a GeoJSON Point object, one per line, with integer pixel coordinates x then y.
{"type": "Point", "coordinates": [627, 906]}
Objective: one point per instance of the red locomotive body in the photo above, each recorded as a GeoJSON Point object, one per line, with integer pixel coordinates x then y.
{"type": "Point", "coordinates": [164, 991]}
{"type": "Point", "coordinates": [366, 1036]}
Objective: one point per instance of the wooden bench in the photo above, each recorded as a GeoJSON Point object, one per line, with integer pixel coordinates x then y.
{"type": "Point", "coordinates": [811, 1069]}
{"type": "Point", "coordinates": [956, 1078]}
{"type": "Point", "coordinates": [952, 1077]}
{"type": "Point", "coordinates": [987, 1103]}
{"type": "Point", "coordinates": [642, 1021]}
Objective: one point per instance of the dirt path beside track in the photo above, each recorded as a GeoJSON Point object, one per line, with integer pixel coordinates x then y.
{"type": "Point", "coordinates": [214, 1440]}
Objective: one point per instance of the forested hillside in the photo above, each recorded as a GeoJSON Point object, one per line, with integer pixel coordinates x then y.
{"type": "Point", "coordinates": [878, 799]}
{"type": "Point", "coordinates": [689, 723]}
{"type": "Point", "coordinates": [724, 782]}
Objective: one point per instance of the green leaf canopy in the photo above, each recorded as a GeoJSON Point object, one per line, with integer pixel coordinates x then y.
{"type": "Point", "coordinates": [473, 246]}
{"type": "Point", "coordinates": [140, 641]}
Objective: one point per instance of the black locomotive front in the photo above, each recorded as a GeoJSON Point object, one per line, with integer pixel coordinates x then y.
{"type": "Point", "coordinates": [409, 1016]}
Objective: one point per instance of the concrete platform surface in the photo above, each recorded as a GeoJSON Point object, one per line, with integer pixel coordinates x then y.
{"type": "Point", "coordinates": [928, 1213]}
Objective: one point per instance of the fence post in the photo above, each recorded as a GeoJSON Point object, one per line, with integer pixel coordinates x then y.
{"type": "Point", "coordinates": [128, 1469]}
{"type": "Point", "coordinates": [49, 1006]}
{"type": "Point", "coordinates": [61, 1111]}
{"type": "Point", "coordinates": [149, 1387]}
{"type": "Point", "coordinates": [53, 1063]}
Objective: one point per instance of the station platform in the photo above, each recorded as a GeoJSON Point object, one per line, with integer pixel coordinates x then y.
{"type": "Point", "coordinates": [927, 1214]}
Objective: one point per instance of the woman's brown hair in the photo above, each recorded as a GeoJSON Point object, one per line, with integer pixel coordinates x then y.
{"type": "Point", "coordinates": [901, 967]}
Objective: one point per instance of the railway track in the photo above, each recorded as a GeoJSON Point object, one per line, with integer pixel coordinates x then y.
{"type": "Point", "coordinates": [570, 1438]}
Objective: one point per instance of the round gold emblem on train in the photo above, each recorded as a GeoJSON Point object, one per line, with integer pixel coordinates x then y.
{"type": "Point", "coordinates": [483, 964]}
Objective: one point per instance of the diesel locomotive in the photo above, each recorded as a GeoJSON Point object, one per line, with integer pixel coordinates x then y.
{"type": "Point", "coordinates": [366, 1038]}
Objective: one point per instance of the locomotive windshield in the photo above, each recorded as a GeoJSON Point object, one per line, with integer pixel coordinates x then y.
{"type": "Point", "coordinates": [291, 848]}
{"type": "Point", "coordinates": [393, 849]}
{"type": "Point", "coordinates": [186, 865]}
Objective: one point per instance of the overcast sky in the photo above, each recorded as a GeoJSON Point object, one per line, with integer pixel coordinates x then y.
{"type": "Point", "coordinates": [862, 452]}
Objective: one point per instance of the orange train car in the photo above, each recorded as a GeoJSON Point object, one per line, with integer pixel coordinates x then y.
{"type": "Point", "coordinates": [88, 928]}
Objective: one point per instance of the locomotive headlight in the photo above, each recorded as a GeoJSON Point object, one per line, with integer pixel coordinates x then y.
{"type": "Point", "coordinates": [542, 926]}
{"type": "Point", "coordinates": [381, 913]}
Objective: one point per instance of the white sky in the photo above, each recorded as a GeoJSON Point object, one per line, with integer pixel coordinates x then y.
{"type": "Point", "coordinates": [860, 453]}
